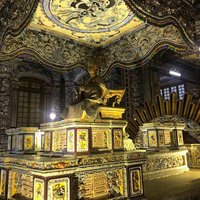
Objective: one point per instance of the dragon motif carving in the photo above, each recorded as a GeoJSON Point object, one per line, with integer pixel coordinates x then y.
{"type": "Point", "coordinates": [15, 15]}
{"type": "Point", "coordinates": [88, 16]}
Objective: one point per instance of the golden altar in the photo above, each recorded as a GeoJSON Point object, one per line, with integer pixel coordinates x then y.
{"type": "Point", "coordinates": [88, 156]}
{"type": "Point", "coordinates": [73, 160]}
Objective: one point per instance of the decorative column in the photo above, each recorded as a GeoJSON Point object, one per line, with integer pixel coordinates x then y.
{"type": "Point", "coordinates": [48, 102]}
{"type": "Point", "coordinates": [70, 94]}
{"type": "Point", "coordinates": [14, 102]}
{"type": "Point", "coordinates": [134, 90]}
{"type": "Point", "coordinates": [57, 95]}
{"type": "Point", "coordinates": [5, 99]}
{"type": "Point", "coordinates": [150, 83]}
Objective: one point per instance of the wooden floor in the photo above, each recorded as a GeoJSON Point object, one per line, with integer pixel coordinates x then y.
{"type": "Point", "coordinates": [185, 186]}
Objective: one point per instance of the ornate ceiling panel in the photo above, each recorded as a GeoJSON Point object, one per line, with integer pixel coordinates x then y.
{"type": "Point", "coordinates": [110, 30]}
{"type": "Point", "coordinates": [92, 22]}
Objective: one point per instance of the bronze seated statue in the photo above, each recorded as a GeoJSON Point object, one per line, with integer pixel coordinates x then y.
{"type": "Point", "coordinates": [90, 96]}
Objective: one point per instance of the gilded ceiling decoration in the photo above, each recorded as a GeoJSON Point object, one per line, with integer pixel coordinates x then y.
{"type": "Point", "coordinates": [114, 26]}
{"type": "Point", "coordinates": [88, 16]}
{"type": "Point", "coordinates": [113, 18]}
{"type": "Point", "coordinates": [91, 22]}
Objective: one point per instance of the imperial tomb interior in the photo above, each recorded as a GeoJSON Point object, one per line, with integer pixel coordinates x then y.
{"type": "Point", "coordinates": [99, 99]}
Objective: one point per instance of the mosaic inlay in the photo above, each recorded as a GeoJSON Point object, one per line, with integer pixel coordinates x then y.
{"type": "Point", "coordinates": [88, 15]}
{"type": "Point", "coordinates": [93, 22]}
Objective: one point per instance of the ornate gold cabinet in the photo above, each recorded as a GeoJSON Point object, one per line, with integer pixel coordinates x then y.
{"type": "Point", "coordinates": [159, 136]}
{"type": "Point", "coordinates": [166, 153]}
{"type": "Point", "coordinates": [109, 176]}
{"type": "Point", "coordinates": [72, 159]}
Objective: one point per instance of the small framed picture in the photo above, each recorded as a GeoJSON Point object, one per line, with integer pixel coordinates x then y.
{"type": "Point", "coordinates": [29, 142]}
{"type": "Point", "coordinates": [59, 189]}
{"type": "Point", "coordinates": [180, 137]}
{"type": "Point", "coordinates": [117, 138]}
{"type": "Point", "coordinates": [161, 138]}
{"type": "Point", "coordinates": [70, 140]}
{"type": "Point", "coordinates": [167, 135]}
{"type": "Point", "coordinates": [145, 139]}
{"type": "Point", "coordinates": [136, 182]}
{"type": "Point", "coordinates": [47, 141]}
{"type": "Point", "coordinates": [3, 182]}
{"type": "Point", "coordinates": [152, 136]}
{"type": "Point", "coordinates": [9, 143]}
{"type": "Point", "coordinates": [82, 140]}
{"type": "Point", "coordinates": [101, 139]}
{"type": "Point", "coordinates": [174, 139]}
{"type": "Point", "coordinates": [38, 189]}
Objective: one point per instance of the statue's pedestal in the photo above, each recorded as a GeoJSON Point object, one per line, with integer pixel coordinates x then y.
{"type": "Point", "coordinates": [163, 164]}
{"type": "Point", "coordinates": [73, 159]}
{"type": "Point", "coordinates": [166, 153]}
{"type": "Point", "coordinates": [83, 137]}
{"type": "Point", "coordinates": [162, 136]}
{"type": "Point", "coordinates": [105, 176]}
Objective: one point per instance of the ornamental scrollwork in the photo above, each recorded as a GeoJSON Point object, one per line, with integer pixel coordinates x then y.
{"type": "Point", "coordinates": [159, 163]}
{"type": "Point", "coordinates": [54, 51]}
{"type": "Point", "coordinates": [180, 13]}
{"type": "Point", "coordinates": [132, 50]}
{"type": "Point", "coordinates": [15, 15]}
{"type": "Point", "coordinates": [5, 101]}
{"type": "Point", "coordinates": [137, 48]}
{"type": "Point", "coordinates": [112, 179]}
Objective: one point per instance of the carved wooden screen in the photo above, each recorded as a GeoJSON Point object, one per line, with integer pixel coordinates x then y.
{"type": "Point", "coordinates": [30, 102]}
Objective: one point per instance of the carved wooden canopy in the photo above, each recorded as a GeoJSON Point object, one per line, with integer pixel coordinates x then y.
{"type": "Point", "coordinates": [69, 33]}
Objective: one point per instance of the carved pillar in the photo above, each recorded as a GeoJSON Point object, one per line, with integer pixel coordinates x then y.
{"type": "Point", "coordinates": [48, 102]}
{"type": "Point", "coordinates": [14, 102]}
{"type": "Point", "coordinates": [70, 87]}
{"type": "Point", "coordinates": [5, 98]}
{"type": "Point", "coordinates": [115, 78]}
{"type": "Point", "coordinates": [57, 95]}
{"type": "Point", "coordinates": [69, 92]}
{"type": "Point", "coordinates": [62, 94]}
{"type": "Point", "coordinates": [151, 84]}
{"type": "Point", "coordinates": [134, 90]}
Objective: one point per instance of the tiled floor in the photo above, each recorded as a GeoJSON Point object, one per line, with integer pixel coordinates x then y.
{"type": "Point", "coordinates": [185, 186]}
